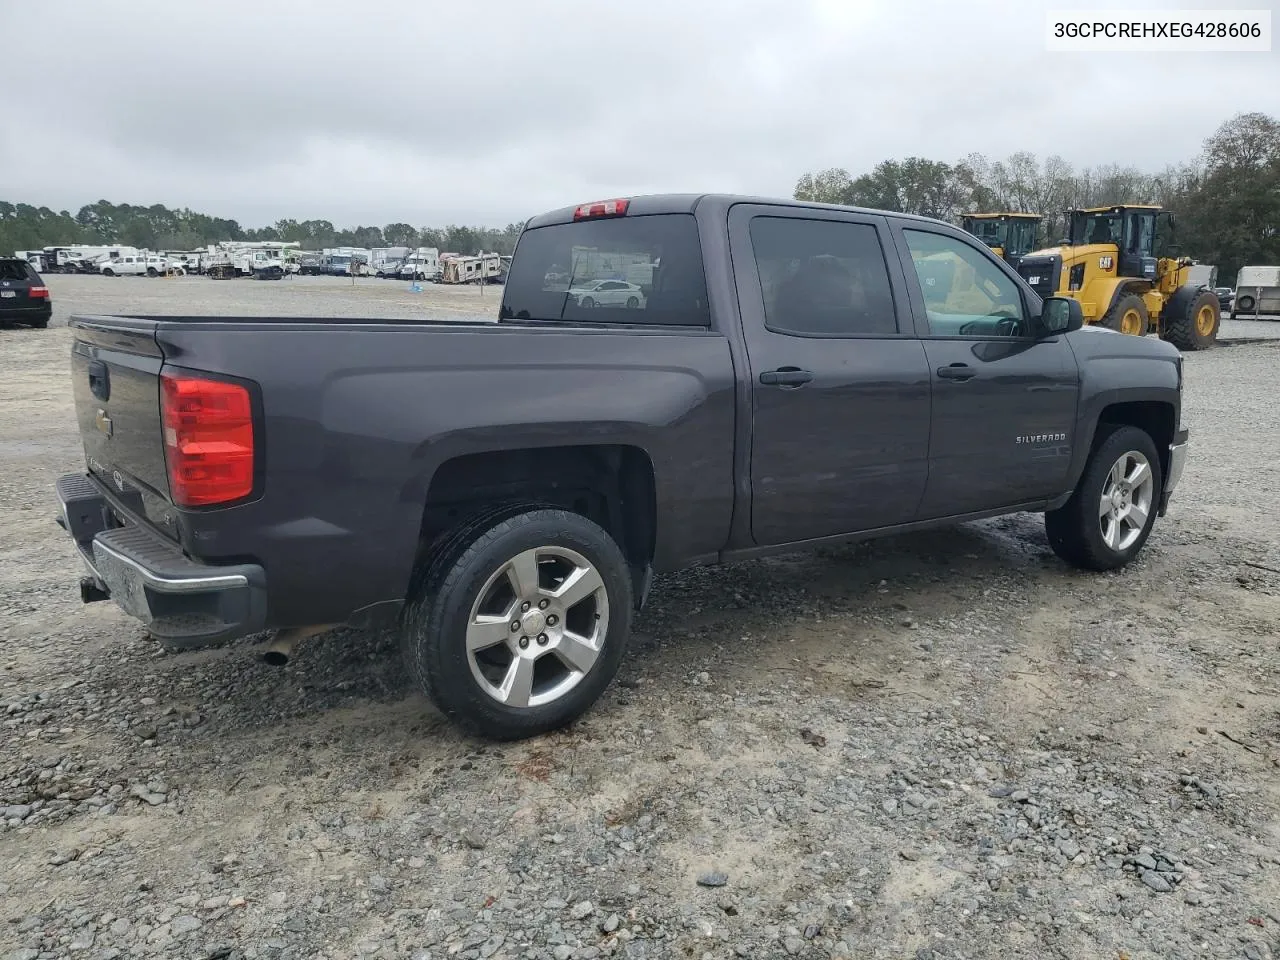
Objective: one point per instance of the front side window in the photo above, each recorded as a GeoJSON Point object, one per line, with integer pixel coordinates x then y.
{"type": "Point", "coordinates": [822, 278]}
{"type": "Point", "coordinates": [965, 295]}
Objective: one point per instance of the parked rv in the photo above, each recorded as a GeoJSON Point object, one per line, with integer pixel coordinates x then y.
{"type": "Point", "coordinates": [483, 268]}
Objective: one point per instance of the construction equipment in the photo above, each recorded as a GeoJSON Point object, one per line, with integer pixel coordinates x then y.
{"type": "Point", "coordinates": [1010, 235]}
{"type": "Point", "coordinates": [1121, 264]}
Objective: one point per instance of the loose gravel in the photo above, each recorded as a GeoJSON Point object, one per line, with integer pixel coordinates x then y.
{"type": "Point", "coordinates": [944, 745]}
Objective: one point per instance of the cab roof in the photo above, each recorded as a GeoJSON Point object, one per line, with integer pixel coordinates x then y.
{"type": "Point", "coordinates": [1009, 215]}
{"type": "Point", "coordinates": [1117, 207]}
{"type": "Point", "coordinates": [689, 202]}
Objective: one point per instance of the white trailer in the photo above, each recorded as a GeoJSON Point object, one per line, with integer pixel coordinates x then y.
{"type": "Point", "coordinates": [1257, 292]}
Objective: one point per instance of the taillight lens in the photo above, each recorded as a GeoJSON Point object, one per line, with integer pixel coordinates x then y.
{"type": "Point", "coordinates": [208, 440]}
{"type": "Point", "coordinates": [38, 293]}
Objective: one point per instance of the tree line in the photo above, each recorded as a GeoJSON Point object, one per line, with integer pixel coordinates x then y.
{"type": "Point", "coordinates": [27, 227]}
{"type": "Point", "coordinates": [1226, 201]}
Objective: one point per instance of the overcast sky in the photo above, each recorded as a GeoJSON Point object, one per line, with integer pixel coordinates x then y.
{"type": "Point", "coordinates": [488, 111]}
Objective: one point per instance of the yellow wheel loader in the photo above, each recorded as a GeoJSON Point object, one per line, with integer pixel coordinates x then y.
{"type": "Point", "coordinates": [1121, 263]}
{"type": "Point", "coordinates": [1009, 235]}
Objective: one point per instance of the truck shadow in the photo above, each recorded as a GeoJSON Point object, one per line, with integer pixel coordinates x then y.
{"type": "Point", "coordinates": [924, 575]}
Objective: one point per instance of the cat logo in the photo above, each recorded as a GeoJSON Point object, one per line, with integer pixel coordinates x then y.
{"type": "Point", "coordinates": [1106, 263]}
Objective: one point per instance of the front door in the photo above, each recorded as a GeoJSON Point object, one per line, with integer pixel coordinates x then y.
{"type": "Point", "coordinates": [840, 383]}
{"type": "Point", "coordinates": [1004, 397]}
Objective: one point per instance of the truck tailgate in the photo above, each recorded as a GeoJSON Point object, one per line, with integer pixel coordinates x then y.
{"type": "Point", "coordinates": [115, 372]}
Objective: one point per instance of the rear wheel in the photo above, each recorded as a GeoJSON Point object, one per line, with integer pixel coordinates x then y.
{"type": "Point", "coordinates": [40, 324]}
{"type": "Point", "coordinates": [1111, 513]}
{"type": "Point", "coordinates": [1129, 315]}
{"type": "Point", "coordinates": [520, 621]}
{"type": "Point", "coordinates": [1244, 305]}
{"type": "Point", "coordinates": [633, 302]}
{"type": "Point", "coordinates": [1190, 319]}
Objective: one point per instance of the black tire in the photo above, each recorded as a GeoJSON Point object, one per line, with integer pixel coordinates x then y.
{"type": "Point", "coordinates": [1191, 319]}
{"type": "Point", "coordinates": [1075, 529]}
{"type": "Point", "coordinates": [1243, 305]}
{"type": "Point", "coordinates": [152, 272]}
{"type": "Point", "coordinates": [39, 324]}
{"type": "Point", "coordinates": [633, 303]}
{"type": "Point", "coordinates": [433, 634]}
{"type": "Point", "coordinates": [1120, 316]}
{"type": "Point", "coordinates": [587, 303]}
{"type": "Point", "coordinates": [108, 272]}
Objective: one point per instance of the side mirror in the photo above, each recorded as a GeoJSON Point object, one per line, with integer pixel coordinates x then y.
{"type": "Point", "coordinates": [1061, 315]}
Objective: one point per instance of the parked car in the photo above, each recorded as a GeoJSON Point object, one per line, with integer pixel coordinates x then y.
{"type": "Point", "coordinates": [1225, 298]}
{"type": "Point", "coordinates": [24, 298]}
{"type": "Point", "coordinates": [387, 269]}
{"type": "Point", "coordinates": [607, 293]}
{"type": "Point", "coordinates": [503, 493]}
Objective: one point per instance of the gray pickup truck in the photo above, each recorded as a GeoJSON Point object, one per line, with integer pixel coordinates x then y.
{"type": "Point", "coordinates": [672, 380]}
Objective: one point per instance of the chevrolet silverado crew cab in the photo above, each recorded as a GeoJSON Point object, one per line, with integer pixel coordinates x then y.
{"type": "Point", "coordinates": [784, 375]}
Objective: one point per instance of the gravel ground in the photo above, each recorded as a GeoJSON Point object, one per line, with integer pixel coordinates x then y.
{"type": "Point", "coordinates": [936, 746]}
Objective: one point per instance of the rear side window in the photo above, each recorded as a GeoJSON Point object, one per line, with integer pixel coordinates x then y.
{"type": "Point", "coordinates": [18, 270]}
{"type": "Point", "coordinates": [822, 278]}
{"type": "Point", "coordinates": [643, 270]}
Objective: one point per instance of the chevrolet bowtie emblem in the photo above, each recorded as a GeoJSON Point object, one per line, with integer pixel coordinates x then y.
{"type": "Point", "coordinates": [103, 422]}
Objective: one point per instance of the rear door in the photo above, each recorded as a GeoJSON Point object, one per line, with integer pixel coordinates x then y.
{"type": "Point", "coordinates": [1004, 399]}
{"type": "Point", "coordinates": [840, 383]}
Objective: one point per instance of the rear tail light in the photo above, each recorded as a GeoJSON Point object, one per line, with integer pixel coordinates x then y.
{"type": "Point", "coordinates": [605, 208]}
{"type": "Point", "coordinates": [208, 440]}
{"type": "Point", "coordinates": [38, 293]}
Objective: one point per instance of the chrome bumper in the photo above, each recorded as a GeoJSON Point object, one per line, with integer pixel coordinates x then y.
{"type": "Point", "coordinates": [181, 601]}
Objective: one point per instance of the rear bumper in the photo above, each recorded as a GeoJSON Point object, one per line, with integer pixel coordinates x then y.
{"type": "Point", "coordinates": [1177, 461]}
{"type": "Point", "coordinates": [184, 603]}
{"type": "Point", "coordinates": [26, 314]}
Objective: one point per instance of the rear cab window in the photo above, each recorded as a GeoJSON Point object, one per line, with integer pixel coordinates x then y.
{"type": "Point", "coordinates": [643, 270]}
{"type": "Point", "coordinates": [18, 270]}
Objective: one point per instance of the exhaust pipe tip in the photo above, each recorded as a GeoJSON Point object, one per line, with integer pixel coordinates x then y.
{"type": "Point", "coordinates": [280, 651]}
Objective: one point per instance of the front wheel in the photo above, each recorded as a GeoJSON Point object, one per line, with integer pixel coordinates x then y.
{"type": "Point", "coordinates": [1110, 515]}
{"type": "Point", "coordinates": [520, 622]}
{"type": "Point", "coordinates": [587, 303]}
{"type": "Point", "coordinates": [1129, 315]}
{"type": "Point", "coordinates": [108, 272]}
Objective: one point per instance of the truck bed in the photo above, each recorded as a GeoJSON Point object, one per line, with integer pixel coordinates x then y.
{"type": "Point", "coordinates": [357, 418]}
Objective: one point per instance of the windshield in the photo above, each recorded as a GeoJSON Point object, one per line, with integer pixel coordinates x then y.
{"type": "Point", "coordinates": [1095, 228]}
{"type": "Point", "coordinates": [990, 232]}
{"type": "Point", "coordinates": [642, 269]}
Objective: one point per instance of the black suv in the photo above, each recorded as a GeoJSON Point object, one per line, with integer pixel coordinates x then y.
{"type": "Point", "coordinates": [23, 295]}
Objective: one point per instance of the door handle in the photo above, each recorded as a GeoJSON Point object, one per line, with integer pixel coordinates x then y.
{"type": "Point", "coordinates": [956, 371]}
{"type": "Point", "coordinates": [786, 377]}
{"type": "Point", "coordinates": [99, 381]}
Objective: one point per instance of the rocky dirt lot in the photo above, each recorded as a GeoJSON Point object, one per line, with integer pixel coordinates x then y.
{"type": "Point", "coordinates": [937, 746]}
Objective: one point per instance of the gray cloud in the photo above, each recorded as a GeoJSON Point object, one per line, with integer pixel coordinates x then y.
{"type": "Point", "coordinates": [492, 111]}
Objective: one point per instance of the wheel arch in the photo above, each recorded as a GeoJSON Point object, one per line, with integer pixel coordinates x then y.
{"type": "Point", "coordinates": [1158, 419]}
{"type": "Point", "coordinates": [613, 485]}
